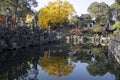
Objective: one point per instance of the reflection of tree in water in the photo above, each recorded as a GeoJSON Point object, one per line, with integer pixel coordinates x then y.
{"type": "Point", "coordinates": [15, 71]}
{"type": "Point", "coordinates": [25, 71]}
{"type": "Point", "coordinates": [100, 66]}
{"type": "Point", "coordinates": [15, 65]}
{"type": "Point", "coordinates": [96, 50]}
{"type": "Point", "coordinates": [97, 68]}
{"type": "Point", "coordinates": [56, 65]}
{"type": "Point", "coordinates": [96, 58]}
{"type": "Point", "coordinates": [104, 64]}
{"type": "Point", "coordinates": [22, 65]}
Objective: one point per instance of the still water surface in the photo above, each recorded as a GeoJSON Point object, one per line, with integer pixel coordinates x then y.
{"type": "Point", "coordinates": [59, 62]}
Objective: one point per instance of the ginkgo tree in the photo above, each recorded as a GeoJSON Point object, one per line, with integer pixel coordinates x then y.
{"type": "Point", "coordinates": [54, 13]}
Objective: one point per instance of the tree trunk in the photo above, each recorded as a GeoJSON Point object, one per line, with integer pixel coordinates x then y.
{"type": "Point", "coordinates": [16, 11]}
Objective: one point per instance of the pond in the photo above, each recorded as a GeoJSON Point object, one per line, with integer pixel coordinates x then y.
{"type": "Point", "coordinates": [59, 62]}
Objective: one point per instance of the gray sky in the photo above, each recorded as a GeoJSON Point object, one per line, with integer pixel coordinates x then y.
{"type": "Point", "coordinates": [80, 6]}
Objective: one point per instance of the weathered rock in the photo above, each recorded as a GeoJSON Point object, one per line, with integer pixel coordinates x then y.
{"type": "Point", "coordinates": [23, 37]}
{"type": "Point", "coordinates": [3, 44]}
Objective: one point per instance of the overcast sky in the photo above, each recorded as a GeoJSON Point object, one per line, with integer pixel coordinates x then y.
{"type": "Point", "coordinates": [80, 6]}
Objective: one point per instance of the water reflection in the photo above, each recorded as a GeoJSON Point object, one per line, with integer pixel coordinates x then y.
{"type": "Point", "coordinates": [55, 64]}
{"type": "Point", "coordinates": [59, 62]}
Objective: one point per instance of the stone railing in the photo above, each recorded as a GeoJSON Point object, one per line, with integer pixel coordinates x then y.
{"type": "Point", "coordinates": [77, 39]}
{"type": "Point", "coordinates": [114, 46]}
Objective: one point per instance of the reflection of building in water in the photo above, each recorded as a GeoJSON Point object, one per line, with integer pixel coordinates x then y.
{"type": "Point", "coordinates": [70, 62]}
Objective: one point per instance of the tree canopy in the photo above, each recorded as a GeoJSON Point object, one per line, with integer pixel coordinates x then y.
{"type": "Point", "coordinates": [118, 1]}
{"type": "Point", "coordinates": [100, 11]}
{"type": "Point", "coordinates": [117, 25]}
{"type": "Point", "coordinates": [54, 13]}
{"type": "Point", "coordinates": [115, 10]}
{"type": "Point", "coordinates": [114, 5]}
{"type": "Point", "coordinates": [96, 8]}
{"type": "Point", "coordinates": [17, 6]}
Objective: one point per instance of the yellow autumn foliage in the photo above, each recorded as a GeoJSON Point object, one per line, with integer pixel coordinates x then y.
{"type": "Point", "coordinates": [55, 65]}
{"type": "Point", "coordinates": [54, 13]}
{"type": "Point", "coordinates": [29, 18]}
